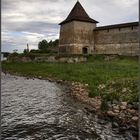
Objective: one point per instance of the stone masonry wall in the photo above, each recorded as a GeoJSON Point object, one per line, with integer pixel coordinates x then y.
{"type": "Point", "coordinates": [122, 41]}
{"type": "Point", "coordinates": [66, 37]}
{"type": "Point", "coordinates": [51, 59]}
{"type": "Point", "coordinates": [83, 37]}
{"type": "Point", "coordinates": [76, 35]}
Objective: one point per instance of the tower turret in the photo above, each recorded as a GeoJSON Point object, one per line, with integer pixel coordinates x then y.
{"type": "Point", "coordinates": [76, 32]}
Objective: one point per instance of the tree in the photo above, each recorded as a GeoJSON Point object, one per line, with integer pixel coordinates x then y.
{"type": "Point", "coordinates": [43, 45]}
{"type": "Point", "coordinates": [25, 51]}
{"type": "Point", "coordinates": [50, 43]}
{"type": "Point", "coordinates": [56, 43]}
{"type": "Point", "coordinates": [6, 54]}
{"type": "Point", "coordinates": [47, 47]}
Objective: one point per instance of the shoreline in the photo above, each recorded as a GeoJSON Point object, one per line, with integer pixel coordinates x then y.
{"type": "Point", "coordinates": [121, 116]}
{"type": "Point", "coordinates": [124, 117]}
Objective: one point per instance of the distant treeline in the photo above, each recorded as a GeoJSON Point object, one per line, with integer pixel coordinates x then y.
{"type": "Point", "coordinates": [45, 47]}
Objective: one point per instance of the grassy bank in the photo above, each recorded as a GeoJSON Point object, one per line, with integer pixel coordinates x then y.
{"type": "Point", "coordinates": [113, 80]}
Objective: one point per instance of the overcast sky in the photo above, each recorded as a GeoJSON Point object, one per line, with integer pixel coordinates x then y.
{"type": "Point", "coordinates": [30, 21]}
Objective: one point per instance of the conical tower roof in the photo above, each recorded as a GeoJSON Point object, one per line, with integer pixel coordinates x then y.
{"type": "Point", "coordinates": [78, 13]}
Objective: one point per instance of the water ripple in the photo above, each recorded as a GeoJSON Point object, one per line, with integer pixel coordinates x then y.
{"type": "Point", "coordinates": [34, 109]}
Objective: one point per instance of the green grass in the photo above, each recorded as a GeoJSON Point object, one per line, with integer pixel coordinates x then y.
{"type": "Point", "coordinates": [114, 79]}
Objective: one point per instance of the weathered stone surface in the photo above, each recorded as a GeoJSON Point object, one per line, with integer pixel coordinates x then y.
{"type": "Point", "coordinates": [78, 34]}
{"type": "Point", "coordinates": [61, 59]}
{"type": "Point", "coordinates": [75, 36]}
{"type": "Point", "coordinates": [116, 111]}
{"type": "Point", "coordinates": [123, 107]}
{"type": "Point", "coordinates": [115, 41]}
{"type": "Point", "coordinates": [135, 118]}
{"type": "Point", "coordinates": [131, 111]}
{"type": "Point", "coordinates": [122, 114]}
{"type": "Point", "coordinates": [124, 103]}
{"type": "Point", "coordinates": [111, 113]}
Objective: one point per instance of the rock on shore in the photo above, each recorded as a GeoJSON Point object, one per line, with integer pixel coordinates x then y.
{"type": "Point", "coordinates": [123, 114]}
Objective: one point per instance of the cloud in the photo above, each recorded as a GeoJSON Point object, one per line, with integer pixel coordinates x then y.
{"type": "Point", "coordinates": [112, 11]}
{"type": "Point", "coordinates": [30, 21]}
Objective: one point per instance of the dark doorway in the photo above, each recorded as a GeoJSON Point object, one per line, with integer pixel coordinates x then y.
{"type": "Point", "coordinates": [85, 50]}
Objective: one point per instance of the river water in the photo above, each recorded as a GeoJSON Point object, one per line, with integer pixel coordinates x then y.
{"type": "Point", "coordinates": [34, 109]}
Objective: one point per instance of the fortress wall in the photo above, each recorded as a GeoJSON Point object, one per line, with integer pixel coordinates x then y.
{"type": "Point", "coordinates": [122, 41]}
{"type": "Point", "coordinates": [76, 35]}
{"type": "Point", "coordinates": [83, 32]}
{"type": "Point", "coordinates": [83, 36]}
{"type": "Point", "coordinates": [66, 37]}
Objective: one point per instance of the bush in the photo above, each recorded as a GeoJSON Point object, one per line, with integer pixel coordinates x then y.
{"type": "Point", "coordinates": [93, 93]}
{"type": "Point", "coordinates": [120, 90]}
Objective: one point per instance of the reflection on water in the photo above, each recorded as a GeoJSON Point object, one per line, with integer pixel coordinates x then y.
{"type": "Point", "coordinates": [34, 109]}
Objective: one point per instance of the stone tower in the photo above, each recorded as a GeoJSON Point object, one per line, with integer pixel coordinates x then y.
{"type": "Point", "coordinates": [76, 32]}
